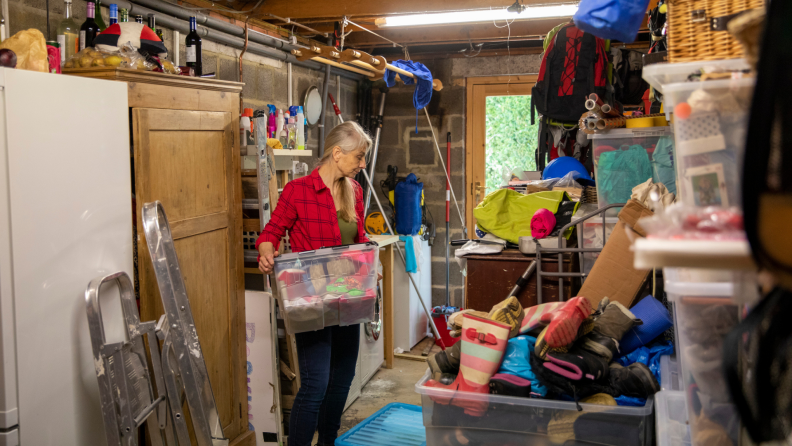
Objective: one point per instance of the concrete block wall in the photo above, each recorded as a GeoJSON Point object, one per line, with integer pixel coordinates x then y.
{"type": "Point", "coordinates": [416, 152]}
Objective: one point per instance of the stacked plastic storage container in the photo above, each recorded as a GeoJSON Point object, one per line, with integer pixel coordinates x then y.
{"type": "Point", "coordinates": [707, 305]}
{"type": "Point", "coordinates": [530, 421]}
{"type": "Point", "coordinates": [625, 158]}
{"type": "Point", "coordinates": [329, 286]}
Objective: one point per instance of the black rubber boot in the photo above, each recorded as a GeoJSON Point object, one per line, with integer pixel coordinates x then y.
{"type": "Point", "coordinates": [636, 380]}
{"type": "Point", "coordinates": [445, 362]}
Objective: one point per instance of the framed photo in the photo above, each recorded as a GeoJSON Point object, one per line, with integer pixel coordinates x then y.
{"type": "Point", "coordinates": [707, 185]}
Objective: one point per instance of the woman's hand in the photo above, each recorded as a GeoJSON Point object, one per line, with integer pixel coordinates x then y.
{"type": "Point", "coordinates": [267, 261]}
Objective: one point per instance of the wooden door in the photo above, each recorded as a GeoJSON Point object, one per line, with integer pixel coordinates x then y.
{"type": "Point", "coordinates": [186, 160]}
{"type": "Point", "coordinates": [478, 90]}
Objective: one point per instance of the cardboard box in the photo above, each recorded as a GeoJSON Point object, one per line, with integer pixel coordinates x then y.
{"type": "Point", "coordinates": [613, 275]}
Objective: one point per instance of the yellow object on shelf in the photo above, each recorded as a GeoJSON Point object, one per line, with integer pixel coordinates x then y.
{"type": "Point", "coordinates": [641, 122]}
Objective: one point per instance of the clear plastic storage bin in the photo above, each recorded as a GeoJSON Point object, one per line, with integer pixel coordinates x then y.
{"type": "Point", "coordinates": [530, 421]}
{"type": "Point", "coordinates": [704, 313]}
{"type": "Point", "coordinates": [329, 286]}
{"type": "Point", "coordinates": [625, 158]}
{"type": "Point", "coordinates": [671, 419]}
{"type": "Point", "coordinates": [710, 126]}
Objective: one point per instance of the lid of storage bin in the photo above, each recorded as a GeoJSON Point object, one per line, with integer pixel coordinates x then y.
{"type": "Point", "coordinates": [674, 92]}
{"type": "Point", "coordinates": [325, 251]}
{"type": "Point", "coordinates": [660, 74]}
{"type": "Point", "coordinates": [704, 289]}
{"type": "Point", "coordinates": [396, 424]}
{"type": "Point", "coordinates": [642, 132]}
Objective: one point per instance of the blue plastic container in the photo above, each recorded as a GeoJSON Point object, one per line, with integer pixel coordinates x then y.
{"type": "Point", "coordinates": [396, 424]}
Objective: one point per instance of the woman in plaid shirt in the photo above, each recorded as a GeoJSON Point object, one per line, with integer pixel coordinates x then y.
{"type": "Point", "coordinates": [322, 209]}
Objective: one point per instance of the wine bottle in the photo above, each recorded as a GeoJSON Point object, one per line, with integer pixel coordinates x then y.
{"type": "Point", "coordinates": [98, 15]}
{"type": "Point", "coordinates": [68, 34]}
{"type": "Point", "coordinates": [153, 25]}
{"type": "Point", "coordinates": [139, 18]}
{"type": "Point", "coordinates": [113, 14]}
{"type": "Point", "coordinates": [123, 15]}
{"type": "Point", "coordinates": [89, 28]}
{"type": "Point", "coordinates": [192, 46]}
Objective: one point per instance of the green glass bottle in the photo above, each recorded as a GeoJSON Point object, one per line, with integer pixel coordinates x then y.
{"type": "Point", "coordinates": [98, 15]}
{"type": "Point", "coordinates": [123, 15]}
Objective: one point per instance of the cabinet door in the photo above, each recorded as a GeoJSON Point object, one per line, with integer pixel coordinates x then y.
{"type": "Point", "coordinates": [187, 160]}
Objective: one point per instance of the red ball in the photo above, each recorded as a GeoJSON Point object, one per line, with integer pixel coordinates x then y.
{"type": "Point", "coordinates": [683, 110]}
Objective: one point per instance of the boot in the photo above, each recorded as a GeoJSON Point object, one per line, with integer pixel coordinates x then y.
{"type": "Point", "coordinates": [508, 312]}
{"type": "Point", "coordinates": [563, 324]}
{"type": "Point", "coordinates": [445, 362]}
{"type": "Point", "coordinates": [609, 327]}
{"type": "Point", "coordinates": [635, 380]}
{"type": "Point", "coordinates": [483, 345]}
{"type": "Point", "coordinates": [455, 321]}
{"type": "Point", "coordinates": [578, 364]}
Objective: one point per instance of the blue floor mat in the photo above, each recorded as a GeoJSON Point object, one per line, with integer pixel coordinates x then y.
{"type": "Point", "coordinates": [396, 424]}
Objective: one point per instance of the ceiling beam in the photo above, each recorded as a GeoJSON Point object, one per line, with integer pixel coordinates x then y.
{"type": "Point", "coordinates": [356, 8]}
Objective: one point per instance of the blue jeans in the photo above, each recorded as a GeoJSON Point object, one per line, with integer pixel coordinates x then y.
{"type": "Point", "coordinates": [327, 361]}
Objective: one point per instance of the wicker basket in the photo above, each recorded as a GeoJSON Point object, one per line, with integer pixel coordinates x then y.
{"type": "Point", "coordinates": [690, 36]}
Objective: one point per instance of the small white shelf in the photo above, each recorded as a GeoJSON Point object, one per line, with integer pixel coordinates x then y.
{"type": "Point", "coordinates": [284, 152]}
{"type": "Point", "coordinates": [657, 253]}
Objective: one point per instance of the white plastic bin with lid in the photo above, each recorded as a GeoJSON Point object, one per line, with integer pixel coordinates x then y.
{"type": "Point", "coordinates": [670, 378]}
{"type": "Point", "coordinates": [710, 127]}
{"type": "Point", "coordinates": [513, 420]}
{"type": "Point", "coordinates": [704, 313]}
{"type": "Point", "coordinates": [671, 419]}
{"type": "Point", "coordinates": [328, 286]}
{"type": "Point", "coordinates": [658, 75]}
{"type": "Point", "coordinates": [625, 158]}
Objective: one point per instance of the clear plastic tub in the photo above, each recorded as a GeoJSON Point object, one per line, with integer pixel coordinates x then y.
{"type": "Point", "coordinates": [530, 421]}
{"type": "Point", "coordinates": [328, 286]}
{"type": "Point", "coordinates": [710, 142]}
{"type": "Point", "coordinates": [704, 313]}
{"type": "Point", "coordinates": [660, 74]}
{"type": "Point", "coordinates": [671, 419]}
{"type": "Point", "coordinates": [625, 158]}
{"type": "Point", "coordinates": [670, 378]}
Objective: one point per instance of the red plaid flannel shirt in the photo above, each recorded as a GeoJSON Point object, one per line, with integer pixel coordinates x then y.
{"type": "Point", "coordinates": [306, 209]}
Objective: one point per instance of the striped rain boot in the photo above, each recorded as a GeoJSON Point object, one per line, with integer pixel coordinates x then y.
{"type": "Point", "coordinates": [483, 345]}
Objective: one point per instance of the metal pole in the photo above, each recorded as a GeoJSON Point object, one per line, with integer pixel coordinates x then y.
{"type": "Point", "coordinates": [401, 254]}
{"type": "Point", "coordinates": [376, 148]}
{"type": "Point", "coordinates": [322, 120]}
{"type": "Point", "coordinates": [448, 218]}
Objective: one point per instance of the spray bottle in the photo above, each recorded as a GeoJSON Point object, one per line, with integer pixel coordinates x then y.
{"type": "Point", "coordinates": [271, 121]}
{"type": "Point", "coordinates": [283, 132]}
{"type": "Point", "coordinates": [280, 122]}
{"type": "Point", "coordinates": [300, 129]}
{"type": "Point", "coordinates": [292, 129]}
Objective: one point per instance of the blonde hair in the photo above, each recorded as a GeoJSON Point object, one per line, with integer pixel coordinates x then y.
{"type": "Point", "coordinates": [348, 136]}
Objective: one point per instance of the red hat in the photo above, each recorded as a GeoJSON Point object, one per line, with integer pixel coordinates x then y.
{"type": "Point", "coordinates": [138, 34]}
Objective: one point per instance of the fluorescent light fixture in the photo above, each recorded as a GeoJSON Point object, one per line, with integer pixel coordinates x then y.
{"type": "Point", "coordinates": [480, 15]}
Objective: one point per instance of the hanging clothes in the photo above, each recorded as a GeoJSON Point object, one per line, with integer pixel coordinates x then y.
{"type": "Point", "coordinates": [423, 90]}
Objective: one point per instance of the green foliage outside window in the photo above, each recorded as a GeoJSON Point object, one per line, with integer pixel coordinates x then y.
{"type": "Point", "coordinates": [511, 139]}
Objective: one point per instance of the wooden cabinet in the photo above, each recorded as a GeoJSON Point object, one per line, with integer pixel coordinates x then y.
{"type": "Point", "coordinates": [185, 143]}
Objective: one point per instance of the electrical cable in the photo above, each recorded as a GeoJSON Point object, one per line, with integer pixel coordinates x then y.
{"type": "Point", "coordinates": [445, 171]}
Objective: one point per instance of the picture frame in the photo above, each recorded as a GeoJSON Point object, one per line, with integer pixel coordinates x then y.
{"type": "Point", "coordinates": [707, 185]}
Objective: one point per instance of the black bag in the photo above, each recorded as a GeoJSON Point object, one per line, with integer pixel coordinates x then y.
{"type": "Point", "coordinates": [573, 67]}
{"type": "Point", "coordinates": [627, 81]}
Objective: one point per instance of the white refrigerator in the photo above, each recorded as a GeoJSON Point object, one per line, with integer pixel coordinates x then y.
{"type": "Point", "coordinates": [65, 218]}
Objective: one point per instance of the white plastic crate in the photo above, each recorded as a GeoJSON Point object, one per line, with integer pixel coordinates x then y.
{"type": "Point", "coordinates": [329, 286]}
{"type": "Point", "coordinates": [671, 420]}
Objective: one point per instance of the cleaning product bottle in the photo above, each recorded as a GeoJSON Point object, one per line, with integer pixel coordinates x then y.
{"type": "Point", "coordinates": [283, 133]}
{"type": "Point", "coordinates": [271, 121]}
{"type": "Point", "coordinates": [300, 129]}
{"type": "Point", "coordinates": [292, 128]}
{"type": "Point", "coordinates": [244, 130]}
{"type": "Point", "coordinates": [280, 122]}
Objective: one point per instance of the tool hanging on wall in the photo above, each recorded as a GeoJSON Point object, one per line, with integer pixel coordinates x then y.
{"type": "Point", "coordinates": [448, 219]}
{"type": "Point", "coordinates": [182, 356]}
{"type": "Point", "coordinates": [378, 123]}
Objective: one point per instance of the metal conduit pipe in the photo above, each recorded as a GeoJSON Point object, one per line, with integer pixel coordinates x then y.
{"type": "Point", "coordinates": [261, 49]}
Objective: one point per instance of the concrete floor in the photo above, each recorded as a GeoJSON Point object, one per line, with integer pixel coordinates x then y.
{"type": "Point", "coordinates": [396, 385]}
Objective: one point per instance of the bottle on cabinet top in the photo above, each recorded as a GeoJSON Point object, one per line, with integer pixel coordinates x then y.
{"type": "Point", "coordinates": [139, 18]}
{"type": "Point", "coordinates": [113, 14]}
{"type": "Point", "coordinates": [123, 15]}
{"type": "Point", "coordinates": [192, 47]}
{"type": "Point", "coordinates": [98, 14]}
{"type": "Point", "coordinates": [89, 28]}
{"type": "Point", "coordinates": [68, 34]}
